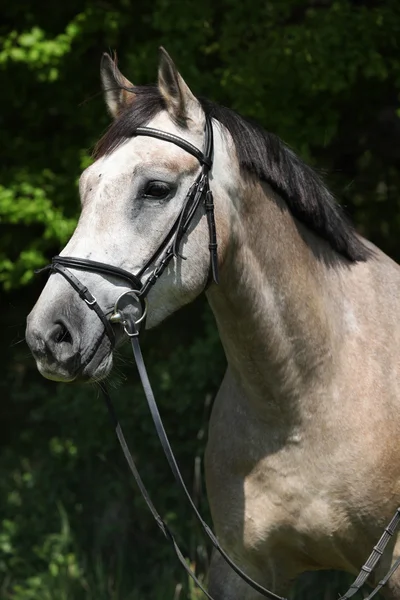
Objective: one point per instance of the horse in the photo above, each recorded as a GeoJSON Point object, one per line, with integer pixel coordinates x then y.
{"type": "Point", "coordinates": [301, 464]}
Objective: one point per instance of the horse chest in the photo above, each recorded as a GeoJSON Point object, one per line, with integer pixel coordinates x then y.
{"type": "Point", "coordinates": [254, 486]}
{"type": "Point", "coordinates": [269, 492]}
{"type": "Point", "coordinates": [274, 508]}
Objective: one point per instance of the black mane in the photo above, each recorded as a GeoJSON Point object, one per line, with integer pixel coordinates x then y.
{"type": "Point", "coordinates": [262, 154]}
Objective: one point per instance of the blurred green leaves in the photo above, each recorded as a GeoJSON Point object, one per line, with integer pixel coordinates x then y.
{"type": "Point", "coordinates": [27, 205]}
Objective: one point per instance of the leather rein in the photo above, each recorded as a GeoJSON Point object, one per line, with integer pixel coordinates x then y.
{"type": "Point", "coordinates": [159, 260]}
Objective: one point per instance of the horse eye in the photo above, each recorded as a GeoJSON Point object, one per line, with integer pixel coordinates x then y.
{"type": "Point", "coordinates": [156, 189]}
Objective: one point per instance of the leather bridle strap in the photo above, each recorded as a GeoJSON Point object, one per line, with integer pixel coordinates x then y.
{"type": "Point", "coordinates": [177, 475]}
{"type": "Point", "coordinates": [143, 490]}
{"type": "Point", "coordinates": [204, 158]}
{"type": "Point", "coordinates": [56, 266]}
{"type": "Point", "coordinates": [84, 264]}
{"type": "Point", "coordinates": [373, 559]}
{"type": "Point", "coordinates": [162, 436]}
{"type": "Point", "coordinates": [384, 580]}
{"type": "Point", "coordinates": [200, 188]}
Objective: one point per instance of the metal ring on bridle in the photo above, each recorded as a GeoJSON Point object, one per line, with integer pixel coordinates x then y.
{"type": "Point", "coordinates": [116, 316]}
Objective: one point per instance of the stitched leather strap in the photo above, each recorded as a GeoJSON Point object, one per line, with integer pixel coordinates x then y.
{"type": "Point", "coordinates": [212, 246]}
{"type": "Point", "coordinates": [175, 470]}
{"type": "Point", "coordinates": [384, 581]}
{"type": "Point", "coordinates": [98, 267]}
{"type": "Point", "coordinates": [373, 558]}
{"type": "Point", "coordinates": [84, 293]}
{"type": "Point", "coordinates": [143, 490]}
{"type": "Point", "coordinates": [204, 159]}
{"type": "Point", "coordinates": [202, 186]}
{"type": "Point", "coordinates": [162, 436]}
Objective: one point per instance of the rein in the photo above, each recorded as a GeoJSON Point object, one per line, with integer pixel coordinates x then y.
{"type": "Point", "coordinates": [159, 260]}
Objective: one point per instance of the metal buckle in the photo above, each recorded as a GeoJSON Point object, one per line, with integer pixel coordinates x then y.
{"type": "Point", "coordinates": [133, 333]}
{"type": "Point", "coordinates": [90, 302]}
{"type": "Point", "coordinates": [117, 316]}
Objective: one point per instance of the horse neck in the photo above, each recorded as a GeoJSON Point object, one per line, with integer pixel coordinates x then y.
{"type": "Point", "coordinates": [271, 306]}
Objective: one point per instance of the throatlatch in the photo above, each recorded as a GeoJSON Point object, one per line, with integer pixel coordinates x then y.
{"type": "Point", "coordinates": [169, 248]}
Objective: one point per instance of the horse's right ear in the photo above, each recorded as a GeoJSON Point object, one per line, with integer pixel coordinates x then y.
{"type": "Point", "coordinates": [118, 90]}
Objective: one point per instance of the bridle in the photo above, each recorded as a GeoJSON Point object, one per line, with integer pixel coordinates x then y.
{"type": "Point", "coordinates": [157, 262]}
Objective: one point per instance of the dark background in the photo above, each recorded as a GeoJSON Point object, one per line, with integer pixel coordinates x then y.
{"type": "Point", "coordinates": [322, 74]}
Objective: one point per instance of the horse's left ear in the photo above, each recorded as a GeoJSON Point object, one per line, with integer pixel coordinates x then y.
{"type": "Point", "coordinates": [180, 102]}
{"type": "Point", "coordinates": [118, 90]}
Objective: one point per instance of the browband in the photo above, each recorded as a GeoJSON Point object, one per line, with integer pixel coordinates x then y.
{"type": "Point", "coordinates": [203, 158]}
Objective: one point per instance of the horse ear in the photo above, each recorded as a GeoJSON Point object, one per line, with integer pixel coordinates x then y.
{"type": "Point", "coordinates": [118, 90]}
{"type": "Point", "coordinates": [180, 102]}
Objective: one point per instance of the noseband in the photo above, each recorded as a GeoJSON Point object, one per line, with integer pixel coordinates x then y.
{"type": "Point", "coordinates": [158, 261]}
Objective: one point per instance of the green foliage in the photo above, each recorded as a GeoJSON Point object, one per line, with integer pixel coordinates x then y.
{"type": "Point", "coordinates": [65, 464]}
{"type": "Point", "coordinates": [322, 74]}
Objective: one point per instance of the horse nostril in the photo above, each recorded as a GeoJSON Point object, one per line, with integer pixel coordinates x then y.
{"type": "Point", "coordinates": [61, 334]}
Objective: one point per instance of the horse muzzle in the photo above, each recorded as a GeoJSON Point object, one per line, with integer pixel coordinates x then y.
{"type": "Point", "coordinates": [64, 352]}
{"type": "Point", "coordinates": [55, 347]}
